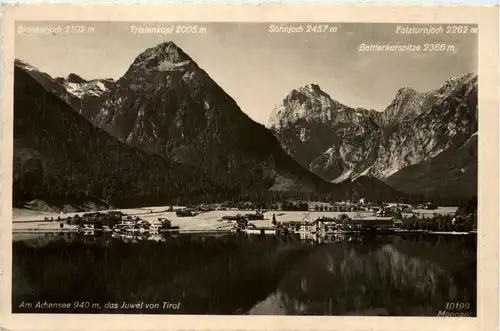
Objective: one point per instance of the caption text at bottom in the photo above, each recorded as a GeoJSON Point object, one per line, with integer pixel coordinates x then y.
{"type": "Point", "coordinates": [108, 305]}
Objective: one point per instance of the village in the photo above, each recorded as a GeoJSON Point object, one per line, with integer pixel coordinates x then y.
{"type": "Point", "coordinates": [289, 217]}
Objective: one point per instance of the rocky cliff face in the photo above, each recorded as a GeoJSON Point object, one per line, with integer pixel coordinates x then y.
{"type": "Point", "coordinates": [419, 126]}
{"type": "Point", "coordinates": [88, 95]}
{"type": "Point", "coordinates": [452, 173]}
{"type": "Point", "coordinates": [338, 142]}
{"type": "Point", "coordinates": [320, 132]}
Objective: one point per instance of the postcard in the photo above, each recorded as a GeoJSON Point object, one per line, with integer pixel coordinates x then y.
{"type": "Point", "coordinates": [222, 167]}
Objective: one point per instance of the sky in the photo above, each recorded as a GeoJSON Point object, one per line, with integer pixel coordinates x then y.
{"type": "Point", "coordinates": [258, 68]}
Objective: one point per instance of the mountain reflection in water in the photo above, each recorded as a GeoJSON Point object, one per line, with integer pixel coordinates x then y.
{"type": "Point", "coordinates": [403, 278]}
{"type": "Point", "coordinates": [410, 275]}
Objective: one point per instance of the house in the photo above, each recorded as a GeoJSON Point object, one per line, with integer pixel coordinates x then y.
{"type": "Point", "coordinates": [319, 225]}
{"type": "Point", "coordinates": [155, 226]}
{"type": "Point", "coordinates": [307, 226]}
{"type": "Point", "coordinates": [328, 224]}
{"type": "Point", "coordinates": [292, 226]}
{"type": "Point", "coordinates": [87, 226]}
{"type": "Point", "coordinates": [378, 223]}
{"type": "Point", "coordinates": [129, 222]}
{"type": "Point", "coordinates": [372, 223]}
{"type": "Point", "coordinates": [387, 212]}
{"type": "Point", "coordinates": [398, 224]}
{"type": "Point", "coordinates": [352, 224]}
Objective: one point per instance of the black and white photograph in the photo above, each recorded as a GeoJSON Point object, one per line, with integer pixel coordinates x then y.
{"type": "Point", "coordinates": [240, 168]}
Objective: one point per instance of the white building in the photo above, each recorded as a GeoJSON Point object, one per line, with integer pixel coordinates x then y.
{"type": "Point", "coordinates": [307, 226]}
{"type": "Point", "coordinates": [154, 226]}
{"type": "Point", "coordinates": [129, 222]}
{"type": "Point", "coordinates": [317, 225]}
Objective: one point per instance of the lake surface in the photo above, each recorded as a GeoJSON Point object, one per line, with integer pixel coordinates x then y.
{"type": "Point", "coordinates": [396, 275]}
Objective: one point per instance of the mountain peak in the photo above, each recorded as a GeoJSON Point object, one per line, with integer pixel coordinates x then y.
{"type": "Point", "coordinates": [305, 93]}
{"type": "Point", "coordinates": [468, 76]}
{"type": "Point", "coordinates": [74, 78]}
{"type": "Point", "coordinates": [24, 65]}
{"type": "Point", "coordinates": [312, 87]}
{"type": "Point", "coordinates": [19, 62]}
{"type": "Point", "coordinates": [406, 90]}
{"type": "Point", "coordinates": [454, 82]}
{"type": "Point", "coordinates": [307, 102]}
{"type": "Point", "coordinates": [162, 57]}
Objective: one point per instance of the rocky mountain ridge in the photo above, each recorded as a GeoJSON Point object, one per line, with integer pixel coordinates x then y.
{"type": "Point", "coordinates": [90, 93]}
{"type": "Point", "coordinates": [83, 96]}
{"type": "Point", "coordinates": [168, 107]}
{"type": "Point", "coordinates": [338, 142]}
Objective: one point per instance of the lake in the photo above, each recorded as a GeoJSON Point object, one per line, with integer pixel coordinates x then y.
{"type": "Point", "coordinates": [395, 275]}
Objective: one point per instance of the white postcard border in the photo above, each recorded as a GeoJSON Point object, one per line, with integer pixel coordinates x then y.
{"type": "Point", "coordinates": [488, 267]}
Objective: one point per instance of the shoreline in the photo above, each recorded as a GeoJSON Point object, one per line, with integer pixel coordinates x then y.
{"type": "Point", "coordinates": [210, 222]}
{"type": "Point", "coordinates": [207, 231]}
